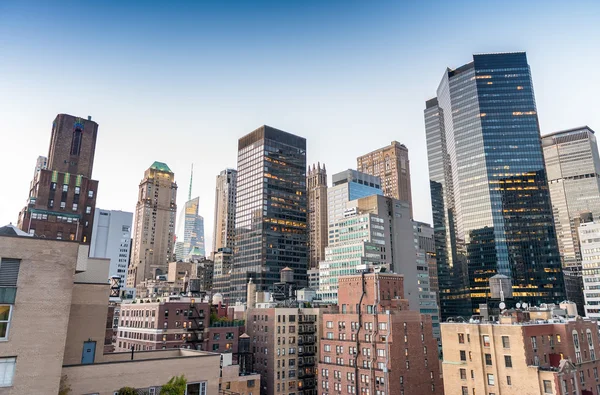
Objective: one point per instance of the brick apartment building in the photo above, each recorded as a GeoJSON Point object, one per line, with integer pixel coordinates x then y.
{"type": "Point", "coordinates": [285, 348]}
{"type": "Point", "coordinates": [62, 196]}
{"type": "Point", "coordinates": [170, 322]}
{"type": "Point", "coordinates": [523, 352]}
{"type": "Point", "coordinates": [374, 344]}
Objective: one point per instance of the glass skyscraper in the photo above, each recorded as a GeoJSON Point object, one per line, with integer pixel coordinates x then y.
{"type": "Point", "coordinates": [193, 229]}
{"type": "Point", "coordinates": [271, 210]}
{"type": "Point", "coordinates": [573, 168]}
{"type": "Point", "coordinates": [349, 185]}
{"type": "Point", "coordinates": [489, 191]}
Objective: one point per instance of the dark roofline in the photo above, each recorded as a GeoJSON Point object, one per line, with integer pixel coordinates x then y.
{"type": "Point", "coordinates": [431, 103]}
{"type": "Point", "coordinates": [569, 131]}
{"type": "Point", "coordinates": [203, 355]}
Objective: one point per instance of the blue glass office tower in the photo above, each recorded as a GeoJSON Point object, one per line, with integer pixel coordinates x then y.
{"type": "Point", "coordinates": [489, 192]}
{"type": "Point", "coordinates": [349, 185]}
{"type": "Point", "coordinates": [271, 210]}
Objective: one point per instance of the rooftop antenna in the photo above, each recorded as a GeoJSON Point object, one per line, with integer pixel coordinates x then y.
{"type": "Point", "coordinates": [191, 177]}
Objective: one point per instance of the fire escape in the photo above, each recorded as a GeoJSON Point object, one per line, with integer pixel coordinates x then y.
{"type": "Point", "coordinates": [195, 336]}
{"type": "Point", "coordinates": [307, 382]}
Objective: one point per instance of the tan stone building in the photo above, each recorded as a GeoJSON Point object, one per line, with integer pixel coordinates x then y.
{"type": "Point", "coordinates": [316, 188]}
{"type": "Point", "coordinates": [391, 164]}
{"type": "Point", "coordinates": [225, 194]}
{"type": "Point", "coordinates": [53, 313]}
{"type": "Point", "coordinates": [374, 345]}
{"type": "Point", "coordinates": [154, 225]}
{"type": "Point", "coordinates": [523, 352]}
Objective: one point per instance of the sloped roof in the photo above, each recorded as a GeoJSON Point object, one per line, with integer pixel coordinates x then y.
{"type": "Point", "coordinates": [161, 167]}
{"type": "Point", "coordinates": [11, 230]}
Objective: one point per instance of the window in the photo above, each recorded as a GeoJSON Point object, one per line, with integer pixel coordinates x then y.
{"type": "Point", "coordinates": [488, 359]}
{"type": "Point", "coordinates": [486, 340]}
{"type": "Point", "coordinates": [461, 338]}
{"type": "Point", "coordinates": [533, 342]}
{"type": "Point", "coordinates": [463, 374]}
{"type": "Point", "coordinates": [505, 342]}
{"type": "Point", "coordinates": [65, 188]}
{"type": "Point", "coordinates": [196, 388]}
{"type": "Point", "coordinates": [463, 355]}
{"type": "Point", "coordinates": [508, 361]}
{"type": "Point", "coordinates": [76, 142]}
{"type": "Point", "coordinates": [90, 194]}
{"type": "Point", "coordinates": [5, 315]}
{"type": "Point", "coordinates": [74, 206]}
{"type": "Point", "coordinates": [547, 387]}
{"type": "Point", "coordinates": [77, 190]}
{"type": "Point", "coordinates": [508, 380]}
{"type": "Point", "coordinates": [7, 371]}
{"type": "Point", "coordinates": [490, 379]}
{"type": "Point", "coordinates": [88, 209]}
{"type": "Point", "coordinates": [465, 390]}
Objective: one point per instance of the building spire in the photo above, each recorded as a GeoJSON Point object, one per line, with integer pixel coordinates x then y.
{"type": "Point", "coordinates": [191, 177]}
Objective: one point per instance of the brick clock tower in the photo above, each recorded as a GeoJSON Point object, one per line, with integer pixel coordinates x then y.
{"type": "Point", "coordinates": [62, 197]}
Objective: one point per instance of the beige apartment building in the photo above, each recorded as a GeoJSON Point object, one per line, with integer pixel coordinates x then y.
{"type": "Point", "coordinates": [154, 225]}
{"type": "Point", "coordinates": [53, 312]}
{"type": "Point", "coordinates": [316, 188]}
{"type": "Point", "coordinates": [285, 344]}
{"type": "Point", "coordinates": [392, 166]}
{"type": "Point", "coordinates": [523, 352]}
{"type": "Point", "coordinates": [224, 226]}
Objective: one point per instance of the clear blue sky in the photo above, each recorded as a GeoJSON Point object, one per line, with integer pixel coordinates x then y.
{"type": "Point", "coordinates": [180, 82]}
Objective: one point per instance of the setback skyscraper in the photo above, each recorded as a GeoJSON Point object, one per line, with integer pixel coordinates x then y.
{"type": "Point", "coordinates": [392, 166]}
{"type": "Point", "coordinates": [62, 195]}
{"type": "Point", "coordinates": [316, 185]}
{"type": "Point", "coordinates": [154, 227]}
{"type": "Point", "coordinates": [489, 192]}
{"type": "Point", "coordinates": [573, 169]}
{"type": "Point", "coordinates": [271, 210]}
{"type": "Point", "coordinates": [224, 227]}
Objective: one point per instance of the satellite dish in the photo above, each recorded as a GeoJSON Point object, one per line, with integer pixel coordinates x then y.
{"type": "Point", "coordinates": [518, 305]}
{"type": "Point", "coordinates": [524, 305]}
{"type": "Point", "coordinates": [502, 305]}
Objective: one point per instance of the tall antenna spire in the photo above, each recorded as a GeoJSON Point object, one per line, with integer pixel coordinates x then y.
{"type": "Point", "coordinates": [191, 177]}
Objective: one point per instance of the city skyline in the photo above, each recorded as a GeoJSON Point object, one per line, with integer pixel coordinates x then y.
{"type": "Point", "coordinates": [393, 67]}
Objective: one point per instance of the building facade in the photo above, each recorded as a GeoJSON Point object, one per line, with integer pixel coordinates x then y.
{"type": "Point", "coordinates": [316, 188]}
{"type": "Point", "coordinates": [357, 241]}
{"type": "Point", "coordinates": [489, 191]}
{"type": "Point", "coordinates": [225, 196]}
{"type": "Point", "coordinates": [374, 345]}
{"type": "Point", "coordinates": [271, 210]}
{"type": "Point", "coordinates": [222, 273]}
{"type": "Point", "coordinates": [589, 237]}
{"type": "Point", "coordinates": [193, 230]}
{"type": "Point", "coordinates": [392, 166]}
{"type": "Point", "coordinates": [111, 238]}
{"type": "Point", "coordinates": [285, 344]}
{"type": "Point", "coordinates": [75, 306]}
{"type": "Point", "coordinates": [573, 168]}
{"type": "Point", "coordinates": [154, 227]}
{"type": "Point", "coordinates": [62, 197]}
{"type": "Point", "coordinates": [522, 353]}
{"type": "Point", "coordinates": [346, 186]}
{"type": "Point", "coordinates": [168, 323]}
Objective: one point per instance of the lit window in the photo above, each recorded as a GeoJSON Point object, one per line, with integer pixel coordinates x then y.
{"type": "Point", "coordinates": [5, 315]}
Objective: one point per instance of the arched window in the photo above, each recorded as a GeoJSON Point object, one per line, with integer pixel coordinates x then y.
{"type": "Point", "coordinates": [76, 142]}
